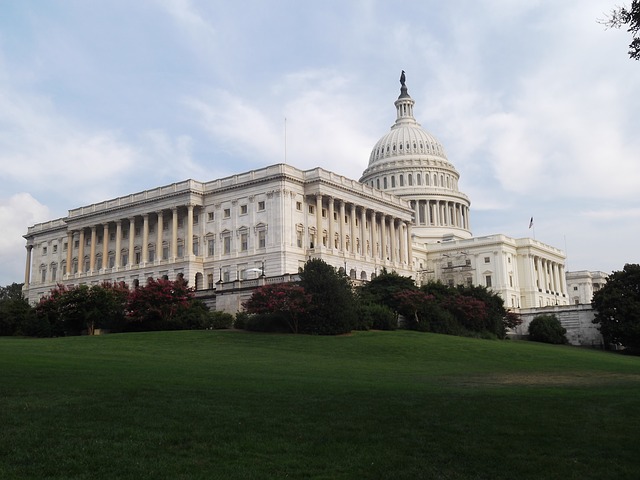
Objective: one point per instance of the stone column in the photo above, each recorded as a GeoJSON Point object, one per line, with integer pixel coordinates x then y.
{"type": "Point", "coordinates": [118, 259]}
{"type": "Point", "coordinates": [145, 238]}
{"type": "Point", "coordinates": [27, 268]}
{"type": "Point", "coordinates": [392, 234]}
{"type": "Point", "coordinates": [331, 224]}
{"type": "Point", "coordinates": [69, 250]}
{"type": "Point", "coordinates": [343, 233]}
{"type": "Point", "coordinates": [374, 235]}
{"type": "Point", "coordinates": [402, 239]}
{"type": "Point", "coordinates": [383, 229]}
{"type": "Point", "coordinates": [105, 245]}
{"type": "Point", "coordinates": [363, 230]}
{"type": "Point", "coordinates": [318, 244]}
{"type": "Point", "coordinates": [160, 227]}
{"type": "Point", "coordinates": [132, 233]}
{"type": "Point", "coordinates": [189, 239]}
{"type": "Point", "coordinates": [92, 251]}
{"type": "Point", "coordinates": [409, 246]}
{"type": "Point", "coordinates": [81, 252]}
{"type": "Point", "coordinates": [174, 233]}
{"type": "Point", "coordinates": [353, 228]}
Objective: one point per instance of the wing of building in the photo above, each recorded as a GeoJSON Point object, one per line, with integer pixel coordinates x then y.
{"type": "Point", "coordinates": [405, 214]}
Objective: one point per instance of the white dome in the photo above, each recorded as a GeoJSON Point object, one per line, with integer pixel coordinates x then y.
{"type": "Point", "coordinates": [411, 163]}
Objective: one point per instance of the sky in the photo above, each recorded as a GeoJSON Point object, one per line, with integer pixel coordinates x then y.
{"type": "Point", "coordinates": [536, 104]}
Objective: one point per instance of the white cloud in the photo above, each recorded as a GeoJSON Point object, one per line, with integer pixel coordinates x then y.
{"type": "Point", "coordinates": [16, 214]}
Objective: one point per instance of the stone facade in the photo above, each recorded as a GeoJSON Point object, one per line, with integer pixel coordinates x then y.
{"type": "Point", "coordinates": [577, 319]}
{"type": "Point", "coordinates": [583, 284]}
{"type": "Point", "coordinates": [406, 214]}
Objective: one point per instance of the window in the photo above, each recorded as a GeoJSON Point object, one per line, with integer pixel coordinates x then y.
{"type": "Point", "coordinates": [299, 206]}
{"type": "Point", "coordinates": [487, 280]}
{"type": "Point", "coordinates": [410, 179]}
{"type": "Point", "coordinates": [44, 250]}
{"type": "Point", "coordinates": [55, 249]}
{"type": "Point", "coordinates": [262, 239]}
{"type": "Point", "coordinates": [401, 181]}
{"type": "Point", "coordinates": [136, 231]}
{"type": "Point", "coordinates": [299, 239]}
{"type": "Point", "coordinates": [138, 257]}
{"type": "Point", "coordinates": [210, 216]}
{"type": "Point", "coordinates": [393, 181]}
{"type": "Point", "coordinates": [227, 244]}
{"type": "Point", "coordinates": [196, 219]}
{"type": "Point", "coordinates": [487, 259]}
{"type": "Point", "coordinates": [468, 262]}
{"type": "Point", "coordinates": [44, 275]}
{"type": "Point", "coordinates": [112, 259]}
{"type": "Point", "coordinates": [180, 249]}
{"type": "Point", "coordinates": [165, 251]}
{"type": "Point", "coordinates": [165, 226]}
{"type": "Point", "coordinates": [152, 255]}
{"type": "Point", "coordinates": [65, 246]}
{"type": "Point", "coordinates": [575, 289]}
{"type": "Point", "coordinates": [227, 212]}
{"type": "Point", "coordinates": [244, 242]}
{"type": "Point", "coordinates": [211, 247]}
{"type": "Point", "coordinates": [196, 246]}
{"type": "Point", "coordinates": [243, 209]}
{"type": "Point", "coordinates": [210, 281]}
{"type": "Point", "coordinates": [378, 183]}
{"type": "Point", "coordinates": [384, 181]}
{"type": "Point", "coordinates": [54, 272]}
{"type": "Point", "coordinates": [261, 205]}
{"type": "Point", "coordinates": [324, 213]}
{"type": "Point", "coordinates": [311, 209]}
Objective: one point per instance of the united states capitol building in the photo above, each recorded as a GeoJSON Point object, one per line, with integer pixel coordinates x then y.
{"type": "Point", "coordinates": [405, 214]}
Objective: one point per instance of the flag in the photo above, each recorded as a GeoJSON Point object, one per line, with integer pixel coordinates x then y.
{"type": "Point", "coordinates": [531, 222]}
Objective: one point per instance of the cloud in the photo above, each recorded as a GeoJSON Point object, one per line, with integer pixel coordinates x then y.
{"type": "Point", "coordinates": [17, 212]}
{"type": "Point", "coordinates": [323, 123]}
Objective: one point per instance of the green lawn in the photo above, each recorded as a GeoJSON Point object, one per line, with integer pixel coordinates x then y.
{"type": "Point", "coordinates": [372, 405]}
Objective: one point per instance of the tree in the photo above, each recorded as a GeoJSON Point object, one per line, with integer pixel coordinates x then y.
{"type": "Point", "coordinates": [630, 17]}
{"type": "Point", "coordinates": [382, 289]}
{"type": "Point", "coordinates": [14, 309]}
{"type": "Point", "coordinates": [547, 329]}
{"type": "Point", "coordinates": [617, 306]}
{"type": "Point", "coordinates": [333, 307]}
{"type": "Point", "coordinates": [72, 310]}
{"type": "Point", "coordinates": [159, 305]}
{"type": "Point", "coordinates": [285, 299]}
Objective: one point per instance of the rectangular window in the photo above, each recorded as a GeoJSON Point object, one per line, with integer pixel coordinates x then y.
{"type": "Point", "coordinates": [211, 247]}
{"type": "Point", "coordinates": [44, 276]}
{"type": "Point", "coordinates": [487, 281]}
{"type": "Point", "coordinates": [468, 262]}
{"type": "Point", "coordinates": [152, 255]}
{"type": "Point", "coordinates": [196, 219]}
{"type": "Point", "coordinates": [324, 213]}
{"type": "Point", "coordinates": [165, 226]}
{"type": "Point", "coordinates": [165, 252]}
{"type": "Point", "coordinates": [196, 247]}
{"type": "Point", "coordinates": [227, 213]}
{"type": "Point", "coordinates": [55, 249]}
{"type": "Point", "coordinates": [299, 239]}
{"type": "Point", "coordinates": [210, 216]}
{"type": "Point", "coordinates": [137, 231]}
{"type": "Point", "coordinates": [261, 206]}
{"type": "Point", "coordinates": [112, 236]}
{"type": "Point", "coordinates": [180, 250]}
{"type": "Point", "coordinates": [44, 250]}
{"type": "Point", "coordinates": [311, 209]}
{"type": "Point", "coordinates": [227, 245]}
{"type": "Point", "coordinates": [65, 246]}
{"type": "Point", "coordinates": [243, 209]}
{"type": "Point", "coordinates": [335, 216]}
{"type": "Point", "coordinates": [487, 259]}
{"type": "Point", "coordinates": [262, 239]}
{"type": "Point", "coordinates": [244, 242]}
{"type": "Point", "coordinates": [112, 261]}
{"type": "Point", "coordinates": [125, 259]}
{"type": "Point", "coordinates": [299, 206]}
{"type": "Point", "coordinates": [138, 258]}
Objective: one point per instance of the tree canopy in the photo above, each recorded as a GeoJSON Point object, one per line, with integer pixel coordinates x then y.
{"type": "Point", "coordinates": [629, 17]}
{"type": "Point", "coordinates": [617, 306]}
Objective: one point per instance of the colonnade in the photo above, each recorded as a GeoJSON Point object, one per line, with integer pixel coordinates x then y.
{"type": "Point", "coordinates": [96, 251]}
{"type": "Point", "coordinates": [440, 213]}
{"type": "Point", "coordinates": [360, 230]}
{"type": "Point", "coordinates": [549, 276]}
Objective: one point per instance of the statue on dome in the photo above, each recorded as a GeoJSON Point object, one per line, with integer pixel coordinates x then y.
{"type": "Point", "coordinates": [402, 79]}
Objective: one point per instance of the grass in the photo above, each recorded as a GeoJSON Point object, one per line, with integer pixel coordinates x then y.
{"type": "Point", "coordinates": [372, 405]}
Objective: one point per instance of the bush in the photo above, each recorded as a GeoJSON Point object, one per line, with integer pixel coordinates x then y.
{"type": "Point", "coordinates": [375, 316]}
{"type": "Point", "coordinates": [547, 329]}
{"type": "Point", "coordinates": [267, 322]}
{"type": "Point", "coordinates": [241, 320]}
{"type": "Point", "coordinates": [217, 320]}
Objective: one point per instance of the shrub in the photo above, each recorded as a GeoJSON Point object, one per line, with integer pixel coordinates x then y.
{"type": "Point", "coordinates": [375, 316]}
{"type": "Point", "coordinates": [547, 329]}
{"type": "Point", "coordinates": [241, 320]}
{"type": "Point", "coordinates": [267, 322]}
{"type": "Point", "coordinates": [217, 320]}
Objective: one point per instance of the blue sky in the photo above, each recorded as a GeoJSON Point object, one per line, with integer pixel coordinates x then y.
{"type": "Point", "coordinates": [535, 103]}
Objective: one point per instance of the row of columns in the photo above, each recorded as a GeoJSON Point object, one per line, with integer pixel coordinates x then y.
{"type": "Point", "coordinates": [382, 229]}
{"type": "Point", "coordinates": [131, 239]}
{"type": "Point", "coordinates": [548, 275]}
{"type": "Point", "coordinates": [441, 213]}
